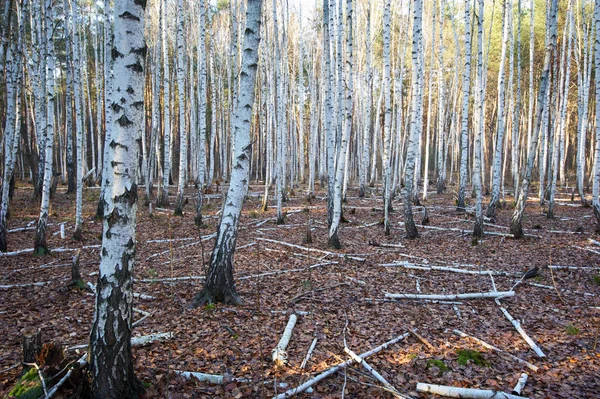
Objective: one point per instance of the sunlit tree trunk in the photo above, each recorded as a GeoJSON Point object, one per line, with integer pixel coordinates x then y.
{"type": "Point", "coordinates": [220, 286]}
{"type": "Point", "coordinates": [183, 145]}
{"type": "Point", "coordinates": [40, 246]}
{"type": "Point", "coordinates": [596, 182]}
{"type": "Point", "coordinates": [516, 227]}
{"type": "Point", "coordinates": [163, 195]}
{"type": "Point", "coordinates": [341, 161]}
{"type": "Point", "coordinates": [415, 122]}
{"type": "Point", "coordinates": [387, 119]}
{"type": "Point", "coordinates": [497, 167]}
{"type": "Point", "coordinates": [78, 94]}
{"type": "Point", "coordinates": [477, 124]}
{"type": "Point", "coordinates": [464, 130]}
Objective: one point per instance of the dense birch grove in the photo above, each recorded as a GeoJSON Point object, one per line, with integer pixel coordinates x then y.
{"type": "Point", "coordinates": [389, 109]}
{"type": "Point", "coordinates": [496, 102]}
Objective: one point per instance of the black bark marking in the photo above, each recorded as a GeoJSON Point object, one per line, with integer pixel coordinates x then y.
{"type": "Point", "coordinates": [137, 67]}
{"type": "Point", "coordinates": [124, 121]}
{"type": "Point", "coordinates": [128, 15]}
{"type": "Point", "coordinates": [114, 53]}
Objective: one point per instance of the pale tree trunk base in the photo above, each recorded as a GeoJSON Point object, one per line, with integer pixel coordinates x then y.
{"type": "Point", "coordinates": [207, 297]}
{"type": "Point", "coordinates": [334, 241]}
{"type": "Point", "coordinates": [179, 205]}
{"type": "Point", "coordinates": [77, 234]}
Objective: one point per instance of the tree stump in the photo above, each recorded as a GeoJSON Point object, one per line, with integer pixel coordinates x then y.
{"type": "Point", "coordinates": [32, 345]}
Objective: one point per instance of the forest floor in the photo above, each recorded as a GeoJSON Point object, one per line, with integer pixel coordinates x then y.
{"type": "Point", "coordinates": [559, 310]}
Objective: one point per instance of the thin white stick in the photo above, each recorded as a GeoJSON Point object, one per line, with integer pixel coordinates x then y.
{"type": "Point", "coordinates": [309, 353]}
{"type": "Point", "coordinates": [473, 295]}
{"type": "Point", "coordinates": [332, 370]}
{"type": "Point", "coordinates": [531, 366]}
{"type": "Point", "coordinates": [356, 280]}
{"type": "Point", "coordinates": [526, 337]}
{"type": "Point", "coordinates": [520, 384]}
{"type": "Point", "coordinates": [278, 353]}
{"type": "Point", "coordinates": [456, 392]}
{"type": "Point", "coordinates": [82, 362]}
{"type": "Point", "coordinates": [148, 339]}
{"type": "Point", "coordinates": [202, 377]}
{"type": "Point", "coordinates": [373, 372]}
{"type": "Point", "coordinates": [408, 265]}
{"type": "Point", "coordinates": [287, 244]}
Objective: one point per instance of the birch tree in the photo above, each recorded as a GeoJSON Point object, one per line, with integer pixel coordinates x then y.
{"type": "Point", "coordinates": [111, 361]}
{"type": "Point", "coordinates": [501, 127]}
{"type": "Point", "coordinates": [40, 245]}
{"type": "Point", "coordinates": [220, 286]}
{"type": "Point", "coordinates": [478, 124]}
{"type": "Point", "coordinates": [596, 173]}
{"type": "Point", "coordinates": [516, 227]}
{"type": "Point", "coordinates": [464, 130]}
{"type": "Point", "coordinates": [387, 120]}
{"type": "Point", "coordinates": [12, 69]}
{"type": "Point", "coordinates": [341, 161]}
{"type": "Point", "coordinates": [415, 121]}
{"type": "Point", "coordinates": [183, 146]}
{"type": "Point", "coordinates": [163, 196]}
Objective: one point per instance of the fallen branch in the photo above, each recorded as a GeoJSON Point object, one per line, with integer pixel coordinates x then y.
{"type": "Point", "coordinates": [373, 372]}
{"type": "Point", "coordinates": [148, 339]}
{"type": "Point", "coordinates": [500, 351]}
{"type": "Point", "coordinates": [309, 353]}
{"type": "Point", "coordinates": [37, 284]}
{"type": "Point", "coordinates": [287, 244]}
{"type": "Point", "coordinates": [474, 295]}
{"type": "Point", "coordinates": [456, 392]}
{"type": "Point", "coordinates": [408, 265]}
{"type": "Point", "coordinates": [520, 384]}
{"type": "Point", "coordinates": [279, 354]}
{"type": "Point", "coordinates": [82, 362]}
{"type": "Point", "coordinates": [526, 337]}
{"type": "Point", "coordinates": [334, 369]}
{"type": "Point", "coordinates": [202, 377]}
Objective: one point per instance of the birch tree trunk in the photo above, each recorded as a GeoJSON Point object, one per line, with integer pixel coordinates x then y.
{"type": "Point", "coordinates": [516, 227]}
{"type": "Point", "coordinates": [12, 69]}
{"type": "Point", "coordinates": [596, 183]}
{"type": "Point", "coordinates": [40, 246]}
{"type": "Point", "coordinates": [387, 119]}
{"type": "Point", "coordinates": [497, 167]}
{"type": "Point", "coordinates": [111, 361]}
{"type": "Point", "coordinates": [464, 130]}
{"type": "Point", "coordinates": [415, 122]}
{"type": "Point", "coordinates": [219, 286]}
{"type": "Point", "coordinates": [341, 161]}
{"type": "Point", "coordinates": [202, 99]}
{"type": "Point", "coordinates": [478, 125]}
{"type": "Point", "coordinates": [77, 83]}
{"type": "Point", "coordinates": [163, 196]}
{"type": "Point", "coordinates": [183, 146]}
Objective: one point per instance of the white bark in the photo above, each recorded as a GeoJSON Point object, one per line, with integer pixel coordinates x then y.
{"type": "Point", "coordinates": [183, 146]}
{"type": "Point", "coordinates": [295, 391]}
{"type": "Point", "coordinates": [497, 168]}
{"type": "Point", "coordinates": [596, 183]}
{"type": "Point", "coordinates": [526, 337]}
{"type": "Point", "coordinates": [457, 392]}
{"type": "Point", "coordinates": [279, 354]}
{"type": "Point", "coordinates": [40, 234]}
{"type": "Point", "coordinates": [345, 139]}
{"type": "Point", "coordinates": [444, 297]}
{"type": "Point", "coordinates": [520, 384]}
{"type": "Point", "coordinates": [110, 340]}
{"type": "Point", "coordinates": [166, 84]}
{"type": "Point", "coordinates": [466, 88]}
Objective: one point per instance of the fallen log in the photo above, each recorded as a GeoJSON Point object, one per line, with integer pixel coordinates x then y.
{"type": "Point", "coordinates": [526, 337]}
{"type": "Point", "coordinates": [408, 265]}
{"type": "Point", "coordinates": [309, 353]}
{"type": "Point", "coordinates": [374, 373]}
{"type": "Point", "coordinates": [520, 384]}
{"type": "Point", "coordinates": [278, 353]}
{"type": "Point", "coordinates": [334, 369]}
{"type": "Point", "coordinates": [467, 393]}
{"type": "Point", "coordinates": [448, 297]}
